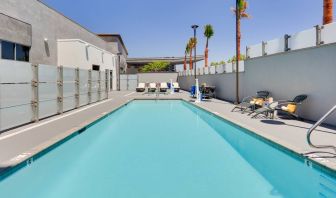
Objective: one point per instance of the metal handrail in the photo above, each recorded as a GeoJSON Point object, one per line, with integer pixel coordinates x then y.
{"type": "Point", "coordinates": [318, 123]}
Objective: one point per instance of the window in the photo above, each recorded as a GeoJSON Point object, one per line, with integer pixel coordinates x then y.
{"type": "Point", "coordinates": [12, 51]}
{"type": "Point", "coordinates": [7, 50]}
{"type": "Point", "coordinates": [22, 53]}
{"type": "Point", "coordinates": [95, 67]}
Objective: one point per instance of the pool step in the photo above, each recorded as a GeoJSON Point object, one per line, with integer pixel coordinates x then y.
{"type": "Point", "coordinates": [327, 187]}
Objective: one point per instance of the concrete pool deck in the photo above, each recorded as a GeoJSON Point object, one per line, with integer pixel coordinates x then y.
{"type": "Point", "coordinates": [22, 143]}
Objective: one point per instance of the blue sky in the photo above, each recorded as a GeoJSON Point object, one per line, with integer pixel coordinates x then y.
{"type": "Point", "coordinates": [162, 28]}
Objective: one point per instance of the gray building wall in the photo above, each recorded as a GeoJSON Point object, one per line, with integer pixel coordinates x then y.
{"type": "Point", "coordinates": [309, 71]}
{"type": "Point", "coordinates": [45, 23]}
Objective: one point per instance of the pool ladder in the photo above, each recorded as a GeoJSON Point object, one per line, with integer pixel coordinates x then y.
{"type": "Point", "coordinates": [310, 131]}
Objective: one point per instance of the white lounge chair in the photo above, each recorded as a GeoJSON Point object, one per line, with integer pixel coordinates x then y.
{"type": "Point", "coordinates": [152, 87]}
{"type": "Point", "coordinates": [163, 87]}
{"type": "Point", "coordinates": [141, 87]}
{"type": "Point", "coordinates": [176, 87]}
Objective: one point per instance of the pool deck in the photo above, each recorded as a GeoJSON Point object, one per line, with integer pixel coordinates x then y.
{"type": "Point", "coordinates": [22, 143]}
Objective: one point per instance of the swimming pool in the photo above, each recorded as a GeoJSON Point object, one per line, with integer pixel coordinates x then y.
{"type": "Point", "coordinates": [167, 149]}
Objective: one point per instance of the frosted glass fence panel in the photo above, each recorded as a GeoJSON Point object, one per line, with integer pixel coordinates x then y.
{"type": "Point", "coordinates": [69, 89]}
{"type": "Point", "coordinates": [15, 93]}
{"type": "Point", "coordinates": [206, 70]}
{"type": "Point", "coordinates": [83, 99]}
{"type": "Point", "coordinates": [48, 73]}
{"type": "Point", "coordinates": [228, 68]}
{"type": "Point", "coordinates": [328, 33]}
{"type": "Point", "coordinates": [255, 51]}
{"type": "Point", "coordinates": [212, 69]}
{"type": "Point", "coordinates": [220, 69]}
{"type": "Point", "coordinates": [15, 116]}
{"type": "Point", "coordinates": [202, 71]}
{"type": "Point", "coordinates": [12, 95]}
{"type": "Point", "coordinates": [95, 76]}
{"type": "Point", "coordinates": [48, 90]}
{"type": "Point", "coordinates": [47, 108]}
{"type": "Point", "coordinates": [275, 46]}
{"type": "Point", "coordinates": [241, 66]}
{"type": "Point", "coordinates": [94, 97]}
{"type": "Point", "coordinates": [69, 103]}
{"type": "Point", "coordinates": [303, 39]}
{"type": "Point", "coordinates": [83, 82]}
{"type": "Point", "coordinates": [15, 72]}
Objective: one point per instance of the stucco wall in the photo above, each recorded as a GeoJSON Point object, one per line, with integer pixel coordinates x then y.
{"type": "Point", "coordinates": [157, 77]}
{"type": "Point", "coordinates": [309, 71]}
{"type": "Point", "coordinates": [45, 23]}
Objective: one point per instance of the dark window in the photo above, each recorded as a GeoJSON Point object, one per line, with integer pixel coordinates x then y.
{"type": "Point", "coordinates": [95, 67]}
{"type": "Point", "coordinates": [7, 50]}
{"type": "Point", "coordinates": [22, 53]}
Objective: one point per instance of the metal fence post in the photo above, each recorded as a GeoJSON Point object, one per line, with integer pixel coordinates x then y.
{"type": "Point", "coordinates": [35, 95]}
{"type": "Point", "coordinates": [60, 89]}
{"type": "Point", "coordinates": [264, 43]}
{"type": "Point", "coordinates": [77, 87]}
{"type": "Point", "coordinates": [106, 83]}
{"type": "Point", "coordinates": [99, 86]}
{"type": "Point", "coordinates": [318, 35]}
{"type": "Point", "coordinates": [287, 42]}
{"type": "Point", "coordinates": [247, 52]}
{"type": "Point", "coordinates": [89, 86]}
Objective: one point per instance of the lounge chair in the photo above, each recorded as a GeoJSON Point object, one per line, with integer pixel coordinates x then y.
{"type": "Point", "coordinates": [176, 87]}
{"type": "Point", "coordinates": [252, 102]}
{"type": "Point", "coordinates": [141, 87]}
{"type": "Point", "coordinates": [208, 92]}
{"type": "Point", "coordinates": [152, 87]}
{"type": "Point", "coordinates": [288, 107]}
{"type": "Point", "coordinates": [163, 87]}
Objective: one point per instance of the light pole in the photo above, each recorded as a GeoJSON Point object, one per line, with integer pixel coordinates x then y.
{"type": "Point", "coordinates": [237, 50]}
{"type": "Point", "coordinates": [119, 64]}
{"type": "Point", "coordinates": [195, 28]}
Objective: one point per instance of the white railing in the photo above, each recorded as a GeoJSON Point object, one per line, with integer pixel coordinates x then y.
{"type": "Point", "coordinates": [316, 36]}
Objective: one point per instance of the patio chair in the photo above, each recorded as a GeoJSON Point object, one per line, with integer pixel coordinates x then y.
{"type": "Point", "coordinates": [208, 92]}
{"type": "Point", "coordinates": [176, 87]}
{"type": "Point", "coordinates": [163, 87]}
{"type": "Point", "coordinates": [252, 102]}
{"type": "Point", "coordinates": [288, 107]}
{"type": "Point", "coordinates": [152, 87]}
{"type": "Point", "coordinates": [141, 87]}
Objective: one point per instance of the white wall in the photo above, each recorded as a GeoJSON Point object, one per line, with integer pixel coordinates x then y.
{"type": "Point", "coordinates": [77, 53]}
{"type": "Point", "coordinates": [310, 71]}
{"type": "Point", "coordinates": [157, 77]}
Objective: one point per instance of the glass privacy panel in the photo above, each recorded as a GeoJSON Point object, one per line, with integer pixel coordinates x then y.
{"type": "Point", "coordinates": [48, 108]}
{"type": "Point", "coordinates": [328, 33]}
{"type": "Point", "coordinates": [15, 116]}
{"type": "Point", "coordinates": [275, 46]}
{"type": "Point", "coordinates": [83, 81]}
{"type": "Point", "coordinates": [228, 68]}
{"type": "Point", "coordinates": [132, 84]}
{"type": "Point", "coordinates": [255, 51]}
{"type": "Point", "coordinates": [303, 39]}
{"type": "Point", "coordinates": [95, 76]}
{"type": "Point", "coordinates": [94, 97]}
{"type": "Point", "coordinates": [212, 70]}
{"type": "Point", "coordinates": [94, 87]}
{"type": "Point", "coordinates": [123, 84]}
{"type": "Point", "coordinates": [48, 73]}
{"type": "Point", "coordinates": [47, 91]}
{"type": "Point", "coordinates": [241, 66]}
{"type": "Point", "coordinates": [69, 103]}
{"type": "Point", "coordinates": [83, 99]}
{"type": "Point", "coordinates": [69, 74]}
{"type": "Point", "coordinates": [220, 69]}
{"type": "Point", "coordinates": [12, 95]}
{"type": "Point", "coordinates": [69, 89]}
{"type": "Point", "coordinates": [15, 72]}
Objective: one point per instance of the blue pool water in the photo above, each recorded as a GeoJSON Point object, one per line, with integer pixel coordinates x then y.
{"type": "Point", "coordinates": [166, 149]}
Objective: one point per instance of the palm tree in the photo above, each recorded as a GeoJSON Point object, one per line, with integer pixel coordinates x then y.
{"type": "Point", "coordinates": [327, 11]}
{"type": "Point", "coordinates": [192, 44]}
{"type": "Point", "coordinates": [186, 52]}
{"type": "Point", "coordinates": [240, 12]}
{"type": "Point", "coordinates": [208, 33]}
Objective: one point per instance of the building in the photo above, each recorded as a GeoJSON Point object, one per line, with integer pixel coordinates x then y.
{"type": "Point", "coordinates": [134, 65]}
{"type": "Point", "coordinates": [32, 31]}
